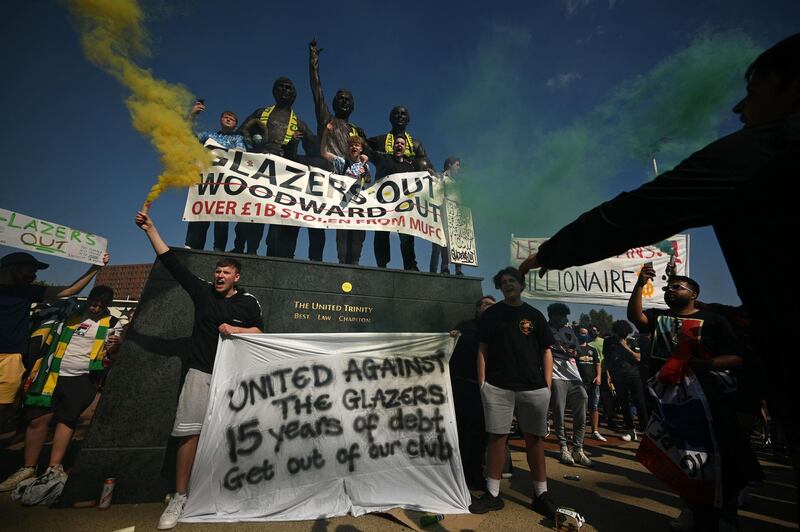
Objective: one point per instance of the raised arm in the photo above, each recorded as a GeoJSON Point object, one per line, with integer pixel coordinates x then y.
{"type": "Point", "coordinates": [52, 293]}
{"type": "Point", "coordinates": [321, 109]}
{"type": "Point", "coordinates": [635, 313]}
{"type": "Point", "coordinates": [146, 224]}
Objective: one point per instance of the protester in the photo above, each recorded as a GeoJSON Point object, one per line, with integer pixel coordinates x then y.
{"type": "Point", "coordinates": [729, 184]}
{"type": "Point", "coordinates": [413, 150]}
{"type": "Point", "coordinates": [623, 365]}
{"type": "Point", "coordinates": [588, 361]}
{"type": "Point", "coordinates": [467, 395]}
{"type": "Point", "coordinates": [226, 136]}
{"type": "Point", "coordinates": [220, 308]}
{"type": "Point", "coordinates": [703, 342]}
{"type": "Point", "coordinates": [452, 165]}
{"type": "Point", "coordinates": [515, 370]}
{"type": "Point", "coordinates": [350, 241]}
{"type": "Point", "coordinates": [567, 387]}
{"type": "Point", "coordinates": [63, 385]}
{"type": "Point", "coordinates": [17, 293]}
{"type": "Point", "coordinates": [385, 164]}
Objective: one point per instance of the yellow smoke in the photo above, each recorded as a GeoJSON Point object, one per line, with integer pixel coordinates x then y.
{"type": "Point", "coordinates": [112, 34]}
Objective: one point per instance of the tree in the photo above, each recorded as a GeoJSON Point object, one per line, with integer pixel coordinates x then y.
{"type": "Point", "coordinates": [602, 320]}
{"type": "Point", "coordinates": [584, 320]}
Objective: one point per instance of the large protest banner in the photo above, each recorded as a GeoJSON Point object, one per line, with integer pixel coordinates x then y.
{"type": "Point", "coordinates": [34, 234]}
{"type": "Point", "coordinates": [263, 188]}
{"type": "Point", "coordinates": [606, 282]}
{"type": "Point", "coordinates": [460, 234]}
{"type": "Point", "coordinates": [305, 426]}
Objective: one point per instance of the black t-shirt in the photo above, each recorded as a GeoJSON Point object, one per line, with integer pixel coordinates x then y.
{"type": "Point", "coordinates": [464, 361]}
{"type": "Point", "coordinates": [669, 331]}
{"type": "Point", "coordinates": [618, 360]}
{"type": "Point", "coordinates": [516, 338]}
{"type": "Point", "coordinates": [587, 361]}
{"type": "Point", "coordinates": [387, 164]}
{"type": "Point", "coordinates": [210, 311]}
{"type": "Point", "coordinates": [15, 310]}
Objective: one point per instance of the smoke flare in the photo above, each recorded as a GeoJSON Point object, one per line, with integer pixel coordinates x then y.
{"type": "Point", "coordinates": [112, 35]}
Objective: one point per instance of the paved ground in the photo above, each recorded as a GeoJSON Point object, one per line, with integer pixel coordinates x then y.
{"type": "Point", "coordinates": [618, 494]}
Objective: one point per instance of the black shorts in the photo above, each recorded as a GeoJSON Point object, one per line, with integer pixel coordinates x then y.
{"type": "Point", "coordinates": [71, 397]}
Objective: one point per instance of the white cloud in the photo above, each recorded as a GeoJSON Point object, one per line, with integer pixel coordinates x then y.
{"type": "Point", "coordinates": [562, 81]}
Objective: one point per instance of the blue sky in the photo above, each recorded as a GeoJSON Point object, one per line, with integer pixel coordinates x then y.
{"type": "Point", "coordinates": [492, 83]}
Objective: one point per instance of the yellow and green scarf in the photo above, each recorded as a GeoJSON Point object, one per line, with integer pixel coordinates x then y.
{"type": "Point", "coordinates": [47, 368]}
{"type": "Point", "coordinates": [388, 146]}
{"type": "Point", "coordinates": [291, 127]}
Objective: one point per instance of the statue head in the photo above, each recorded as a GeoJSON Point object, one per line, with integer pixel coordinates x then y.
{"type": "Point", "coordinates": [399, 117]}
{"type": "Point", "coordinates": [284, 92]}
{"type": "Point", "coordinates": [343, 104]}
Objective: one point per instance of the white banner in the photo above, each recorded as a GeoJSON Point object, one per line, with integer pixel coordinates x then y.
{"type": "Point", "coordinates": [607, 282]}
{"type": "Point", "coordinates": [307, 426]}
{"type": "Point", "coordinates": [257, 187]}
{"type": "Point", "coordinates": [33, 234]}
{"type": "Point", "coordinates": [460, 234]}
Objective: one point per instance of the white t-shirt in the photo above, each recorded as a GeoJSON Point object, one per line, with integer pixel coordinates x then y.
{"type": "Point", "coordinates": [75, 361]}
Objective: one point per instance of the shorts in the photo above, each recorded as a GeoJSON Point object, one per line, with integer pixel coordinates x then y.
{"type": "Point", "coordinates": [531, 407]}
{"type": "Point", "coordinates": [192, 404]}
{"type": "Point", "coordinates": [593, 391]}
{"type": "Point", "coordinates": [11, 372]}
{"type": "Point", "coordinates": [71, 397]}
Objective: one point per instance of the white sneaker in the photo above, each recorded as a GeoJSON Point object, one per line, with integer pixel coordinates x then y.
{"type": "Point", "coordinates": [566, 457]}
{"type": "Point", "coordinates": [23, 473]}
{"type": "Point", "coordinates": [580, 457]}
{"type": "Point", "coordinates": [597, 436]}
{"type": "Point", "coordinates": [173, 512]}
{"type": "Point", "coordinates": [630, 436]}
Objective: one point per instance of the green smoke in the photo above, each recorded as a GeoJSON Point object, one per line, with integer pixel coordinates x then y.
{"type": "Point", "coordinates": [540, 177]}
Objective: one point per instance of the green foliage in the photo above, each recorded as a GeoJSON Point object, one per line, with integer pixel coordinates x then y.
{"type": "Point", "coordinates": [602, 320]}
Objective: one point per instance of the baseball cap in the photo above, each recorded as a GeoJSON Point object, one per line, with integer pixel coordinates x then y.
{"type": "Point", "coordinates": [20, 257]}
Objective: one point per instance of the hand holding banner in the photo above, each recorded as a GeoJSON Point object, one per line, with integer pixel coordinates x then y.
{"type": "Point", "coordinates": [33, 234]}
{"type": "Point", "coordinates": [304, 426]}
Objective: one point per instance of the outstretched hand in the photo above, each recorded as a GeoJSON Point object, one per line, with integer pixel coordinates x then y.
{"type": "Point", "coordinates": [531, 263]}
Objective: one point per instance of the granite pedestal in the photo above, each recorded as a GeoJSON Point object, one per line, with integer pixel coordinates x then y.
{"type": "Point", "coordinates": [130, 435]}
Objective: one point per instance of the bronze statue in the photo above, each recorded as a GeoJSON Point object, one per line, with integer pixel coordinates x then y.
{"type": "Point", "coordinates": [399, 118]}
{"type": "Point", "coordinates": [334, 139]}
{"type": "Point", "coordinates": [276, 129]}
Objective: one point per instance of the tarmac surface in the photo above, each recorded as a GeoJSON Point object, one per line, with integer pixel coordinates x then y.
{"type": "Point", "coordinates": [617, 494]}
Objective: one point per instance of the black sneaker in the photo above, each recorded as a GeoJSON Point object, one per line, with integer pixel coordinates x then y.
{"type": "Point", "coordinates": [487, 503]}
{"type": "Point", "coordinates": [543, 505]}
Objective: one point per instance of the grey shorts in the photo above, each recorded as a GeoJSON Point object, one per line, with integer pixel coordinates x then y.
{"type": "Point", "coordinates": [531, 407]}
{"type": "Point", "coordinates": [192, 404]}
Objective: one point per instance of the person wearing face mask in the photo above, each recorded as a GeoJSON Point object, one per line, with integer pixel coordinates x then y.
{"type": "Point", "coordinates": [62, 385]}
{"type": "Point", "coordinates": [17, 293]}
{"type": "Point", "coordinates": [568, 390]}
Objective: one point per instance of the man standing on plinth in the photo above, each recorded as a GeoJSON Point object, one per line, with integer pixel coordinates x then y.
{"type": "Point", "coordinates": [220, 308]}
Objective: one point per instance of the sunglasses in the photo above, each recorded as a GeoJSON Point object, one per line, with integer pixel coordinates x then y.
{"type": "Point", "coordinates": [676, 287]}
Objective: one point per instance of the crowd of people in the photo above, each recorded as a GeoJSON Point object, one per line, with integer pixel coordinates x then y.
{"type": "Point", "coordinates": [510, 362]}
{"type": "Point", "coordinates": [337, 145]}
